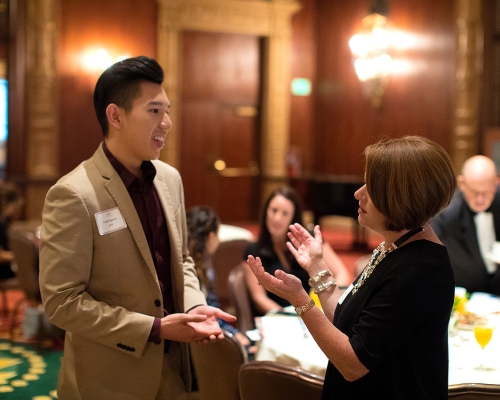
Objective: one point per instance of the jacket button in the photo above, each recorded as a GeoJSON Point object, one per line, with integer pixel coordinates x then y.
{"type": "Point", "coordinates": [157, 303]}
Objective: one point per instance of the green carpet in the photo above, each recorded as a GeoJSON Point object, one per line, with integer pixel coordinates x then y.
{"type": "Point", "coordinates": [28, 372]}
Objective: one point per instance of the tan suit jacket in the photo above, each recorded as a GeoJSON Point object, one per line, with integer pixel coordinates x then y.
{"type": "Point", "coordinates": [103, 289]}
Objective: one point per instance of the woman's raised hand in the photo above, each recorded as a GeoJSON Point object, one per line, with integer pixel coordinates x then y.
{"type": "Point", "coordinates": [285, 285]}
{"type": "Point", "coordinates": [307, 249]}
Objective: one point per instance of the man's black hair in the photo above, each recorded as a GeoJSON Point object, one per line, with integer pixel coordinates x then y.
{"type": "Point", "coordinates": [119, 84]}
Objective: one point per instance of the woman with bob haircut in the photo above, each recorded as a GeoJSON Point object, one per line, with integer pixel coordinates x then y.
{"type": "Point", "coordinates": [389, 333]}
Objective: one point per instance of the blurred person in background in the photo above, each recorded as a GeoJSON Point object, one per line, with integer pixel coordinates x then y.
{"type": "Point", "coordinates": [282, 209]}
{"type": "Point", "coordinates": [11, 203]}
{"type": "Point", "coordinates": [470, 225]}
{"type": "Point", "coordinates": [203, 228]}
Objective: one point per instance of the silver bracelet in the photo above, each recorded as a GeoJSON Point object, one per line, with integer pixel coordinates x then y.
{"type": "Point", "coordinates": [318, 285]}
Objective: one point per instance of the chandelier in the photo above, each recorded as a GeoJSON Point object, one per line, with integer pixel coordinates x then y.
{"type": "Point", "coordinates": [370, 48]}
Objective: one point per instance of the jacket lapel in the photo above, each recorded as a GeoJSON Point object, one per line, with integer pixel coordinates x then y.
{"type": "Point", "coordinates": [120, 195]}
{"type": "Point", "coordinates": [173, 233]}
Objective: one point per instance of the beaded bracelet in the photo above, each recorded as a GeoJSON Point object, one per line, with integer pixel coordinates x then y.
{"type": "Point", "coordinates": [302, 309]}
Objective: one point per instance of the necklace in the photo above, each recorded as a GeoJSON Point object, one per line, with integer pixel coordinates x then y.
{"type": "Point", "coordinates": [379, 254]}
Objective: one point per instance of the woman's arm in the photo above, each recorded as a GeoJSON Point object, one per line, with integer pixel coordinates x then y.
{"type": "Point", "coordinates": [332, 341]}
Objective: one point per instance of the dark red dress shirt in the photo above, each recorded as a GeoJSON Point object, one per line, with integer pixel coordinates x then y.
{"type": "Point", "coordinates": [148, 207]}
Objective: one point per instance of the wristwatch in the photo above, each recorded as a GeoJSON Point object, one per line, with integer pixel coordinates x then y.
{"type": "Point", "coordinates": [302, 309]}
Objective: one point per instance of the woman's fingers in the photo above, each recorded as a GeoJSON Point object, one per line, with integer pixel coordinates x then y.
{"type": "Point", "coordinates": [317, 233]}
{"type": "Point", "coordinates": [293, 249]}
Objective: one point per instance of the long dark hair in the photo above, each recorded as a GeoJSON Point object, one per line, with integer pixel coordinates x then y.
{"type": "Point", "coordinates": [264, 241]}
{"type": "Point", "coordinates": [201, 220]}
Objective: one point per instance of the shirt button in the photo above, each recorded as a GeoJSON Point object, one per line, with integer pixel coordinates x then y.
{"type": "Point", "coordinates": [157, 303]}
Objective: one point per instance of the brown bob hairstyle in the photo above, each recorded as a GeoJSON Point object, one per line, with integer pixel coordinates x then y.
{"type": "Point", "coordinates": [409, 180]}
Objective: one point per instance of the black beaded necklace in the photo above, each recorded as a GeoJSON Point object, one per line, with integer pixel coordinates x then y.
{"type": "Point", "coordinates": [379, 254]}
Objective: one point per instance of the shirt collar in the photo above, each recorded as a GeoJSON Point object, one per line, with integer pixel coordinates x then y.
{"type": "Point", "coordinates": [147, 167]}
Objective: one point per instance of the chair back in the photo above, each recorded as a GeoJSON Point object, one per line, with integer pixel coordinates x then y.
{"type": "Point", "coordinates": [216, 367]}
{"type": "Point", "coordinates": [270, 380]}
{"type": "Point", "coordinates": [228, 254]}
{"type": "Point", "coordinates": [240, 299]}
{"type": "Point", "coordinates": [25, 250]}
{"type": "Point", "coordinates": [474, 391]}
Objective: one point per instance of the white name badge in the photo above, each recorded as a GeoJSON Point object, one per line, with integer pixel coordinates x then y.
{"type": "Point", "coordinates": [344, 295]}
{"type": "Point", "coordinates": [110, 221]}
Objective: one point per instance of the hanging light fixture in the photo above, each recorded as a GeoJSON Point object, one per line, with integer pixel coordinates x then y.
{"type": "Point", "coordinates": [370, 49]}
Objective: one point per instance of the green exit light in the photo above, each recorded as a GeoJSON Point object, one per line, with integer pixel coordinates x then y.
{"type": "Point", "coordinates": [301, 87]}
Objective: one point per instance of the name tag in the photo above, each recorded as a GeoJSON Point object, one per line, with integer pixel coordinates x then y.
{"type": "Point", "coordinates": [110, 221]}
{"type": "Point", "coordinates": [344, 295]}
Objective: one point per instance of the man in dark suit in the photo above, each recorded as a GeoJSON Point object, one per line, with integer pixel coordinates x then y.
{"type": "Point", "coordinates": [470, 225]}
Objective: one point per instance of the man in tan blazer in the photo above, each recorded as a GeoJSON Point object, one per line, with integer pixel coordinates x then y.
{"type": "Point", "coordinates": [115, 272]}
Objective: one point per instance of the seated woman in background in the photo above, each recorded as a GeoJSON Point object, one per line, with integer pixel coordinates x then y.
{"type": "Point", "coordinates": [282, 209]}
{"type": "Point", "coordinates": [203, 227]}
{"type": "Point", "coordinates": [10, 204]}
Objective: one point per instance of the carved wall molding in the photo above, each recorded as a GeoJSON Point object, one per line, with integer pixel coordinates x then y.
{"type": "Point", "coordinates": [270, 19]}
{"type": "Point", "coordinates": [468, 76]}
{"type": "Point", "coordinates": [41, 76]}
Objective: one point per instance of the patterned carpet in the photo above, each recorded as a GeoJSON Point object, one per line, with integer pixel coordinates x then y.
{"type": "Point", "coordinates": [28, 372]}
{"type": "Point", "coordinates": [28, 367]}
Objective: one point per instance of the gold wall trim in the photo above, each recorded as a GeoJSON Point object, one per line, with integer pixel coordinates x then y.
{"type": "Point", "coordinates": [41, 75]}
{"type": "Point", "coordinates": [270, 19]}
{"type": "Point", "coordinates": [468, 79]}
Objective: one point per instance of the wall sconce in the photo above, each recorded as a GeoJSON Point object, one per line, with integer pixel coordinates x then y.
{"type": "Point", "coordinates": [99, 60]}
{"type": "Point", "coordinates": [370, 47]}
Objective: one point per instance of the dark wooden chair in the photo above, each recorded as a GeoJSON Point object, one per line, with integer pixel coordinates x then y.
{"type": "Point", "coordinates": [22, 243]}
{"type": "Point", "coordinates": [216, 366]}
{"type": "Point", "coordinates": [228, 254]}
{"type": "Point", "coordinates": [270, 380]}
{"type": "Point", "coordinates": [474, 391]}
{"type": "Point", "coordinates": [240, 298]}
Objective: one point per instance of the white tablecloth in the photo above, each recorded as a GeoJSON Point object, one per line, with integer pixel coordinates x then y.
{"type": "Point", "coordinates": [288, 341]}
{"type": "Point", "coordinates": [466, 355]}
{"type": "Point", "coordinates": [231, 232]}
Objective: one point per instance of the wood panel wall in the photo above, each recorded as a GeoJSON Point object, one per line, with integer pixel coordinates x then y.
{"type": "Point", "coordinates": [303, 65]}
{"type": "Point", "coordinates": [419, 103]}
{"type": "Point", "coordinates": [330, 128]}
{"type": "Point", "coordinates": [120, 27]}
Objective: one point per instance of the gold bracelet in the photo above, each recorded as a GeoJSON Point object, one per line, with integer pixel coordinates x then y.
{"type": "Point", "coordinates": [302, 309]}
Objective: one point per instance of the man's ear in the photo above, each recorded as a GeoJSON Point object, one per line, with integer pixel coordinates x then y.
{"type": "Point", "coordinates": [114, 114]}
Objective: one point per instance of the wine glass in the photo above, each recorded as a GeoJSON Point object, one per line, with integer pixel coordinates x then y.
{"type": "Point", "coordinates": [483, 331]}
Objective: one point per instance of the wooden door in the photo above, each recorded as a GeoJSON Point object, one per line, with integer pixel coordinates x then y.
{"type": "Point", "coordinates": [220, 101]}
